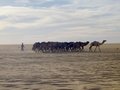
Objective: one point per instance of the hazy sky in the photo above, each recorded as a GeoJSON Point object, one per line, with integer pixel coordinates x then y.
{"type": "Point", "coordinates": [29, 21]}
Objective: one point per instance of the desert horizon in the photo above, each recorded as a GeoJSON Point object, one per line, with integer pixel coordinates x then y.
{"type": "Point", "coordinates": [110, 47]}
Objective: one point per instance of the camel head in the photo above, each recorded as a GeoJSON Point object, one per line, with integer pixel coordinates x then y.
{"type": "Point", "coordinates": [104, 41]}
{"type": "Point", "coordinates": [87, 42]}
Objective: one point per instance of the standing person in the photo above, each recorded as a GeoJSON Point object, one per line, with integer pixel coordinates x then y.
{"type": "Point", "coordinates": [22, 47]}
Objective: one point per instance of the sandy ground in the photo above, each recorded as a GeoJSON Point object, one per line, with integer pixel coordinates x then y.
{"type": "Point", "coordinates": [59, 71]}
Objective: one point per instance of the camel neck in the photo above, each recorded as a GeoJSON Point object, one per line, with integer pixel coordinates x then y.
{"type": "Point", "coordinates": [102, 43]}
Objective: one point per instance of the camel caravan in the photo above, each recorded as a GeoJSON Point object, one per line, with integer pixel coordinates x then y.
{"type": "Point", "coordinates": [55, 47]}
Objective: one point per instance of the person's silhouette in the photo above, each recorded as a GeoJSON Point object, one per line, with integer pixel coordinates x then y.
{"type": "Point", "coordinates": [22, 47]}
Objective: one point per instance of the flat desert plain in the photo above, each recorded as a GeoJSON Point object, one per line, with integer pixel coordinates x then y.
{"type": "Point", "coordinates": [59, 71]}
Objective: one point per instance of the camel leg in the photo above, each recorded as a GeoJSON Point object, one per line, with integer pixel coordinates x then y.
{"type": "Point", "coordinates": [95, 48]}
{"type": "Point", "coordinates": [82, 48]}
{"type": "Point", "coordinates": [90, 48]}
{"type": "Point", "coordinates": [99, 49]}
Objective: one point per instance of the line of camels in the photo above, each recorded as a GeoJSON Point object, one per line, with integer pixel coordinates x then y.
{"type": "Point", "coordinates": [66, 46]}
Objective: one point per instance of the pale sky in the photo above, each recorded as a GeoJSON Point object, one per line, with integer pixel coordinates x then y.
{"type": "Point", "coordinates": [29, 21]}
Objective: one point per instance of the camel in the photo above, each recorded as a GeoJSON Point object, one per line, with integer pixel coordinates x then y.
{"type": "Point", "coordinates": [84, 44]}
{"type": "Point", "coordinates": [97, 45]}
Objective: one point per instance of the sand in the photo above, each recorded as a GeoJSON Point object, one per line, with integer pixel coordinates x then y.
{"type": "Point", "coordinates": [59, 71]}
